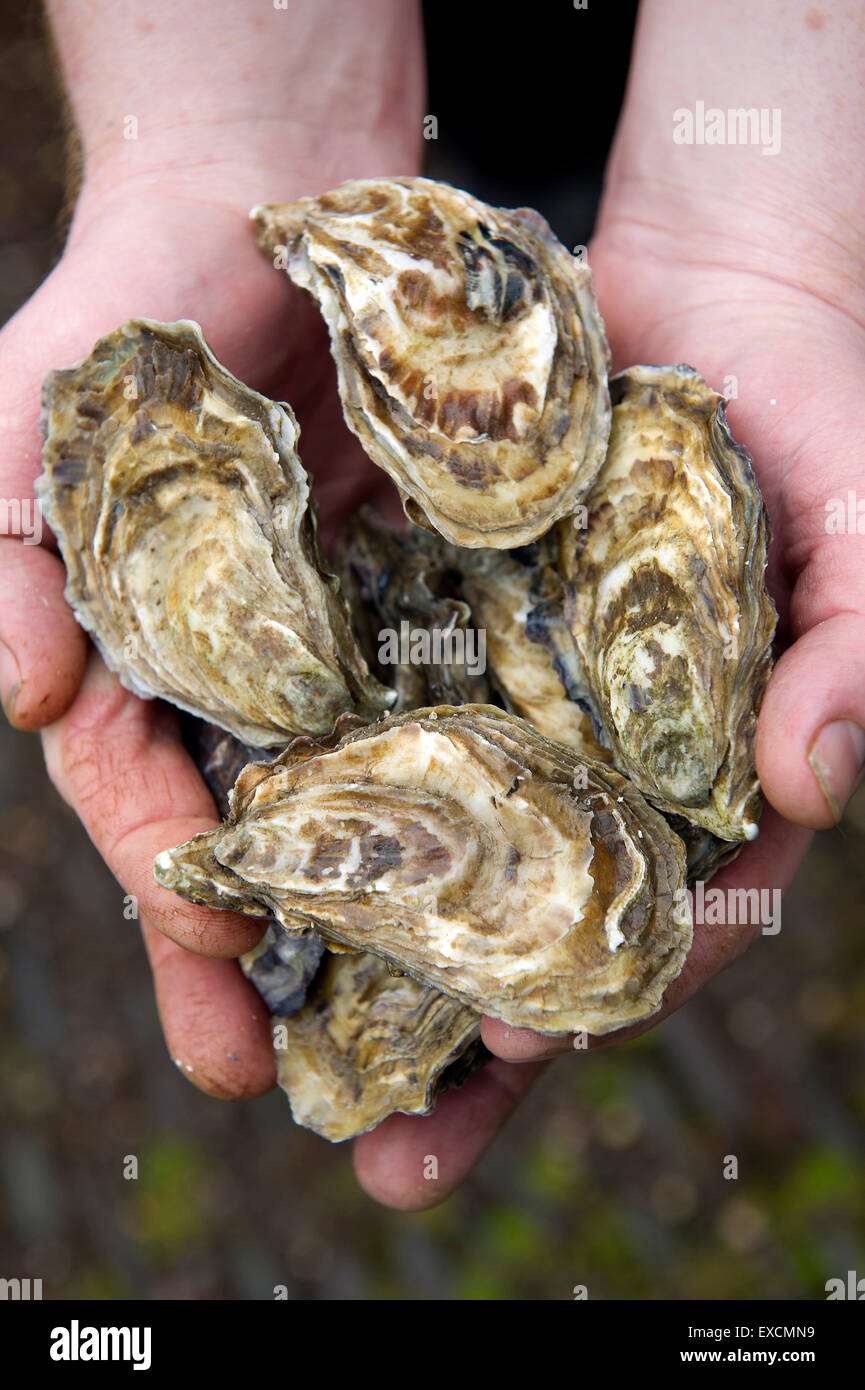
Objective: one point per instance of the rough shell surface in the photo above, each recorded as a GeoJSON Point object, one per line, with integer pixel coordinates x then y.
{"type": "Point", "coordinates": [183, 515]}
{"type": "Point", "coordinates": [368, 1043]}
{"type": "Point", "coordinates": [415, 633]}
{"type": "Point", "coordinates": [666, 600]}
{"type": "Point", "coordinates": [516, 600]}
{"type": "Point", "coordinates": [477, 856]}
{"type": "Point", "coordinates": [471, 355]}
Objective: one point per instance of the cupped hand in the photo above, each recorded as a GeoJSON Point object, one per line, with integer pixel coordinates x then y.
{"type": "Point", "coordinates": [790, 361]}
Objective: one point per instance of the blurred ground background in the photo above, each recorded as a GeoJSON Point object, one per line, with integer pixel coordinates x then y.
{"type": "Point", "coordinates": [610, 1176]}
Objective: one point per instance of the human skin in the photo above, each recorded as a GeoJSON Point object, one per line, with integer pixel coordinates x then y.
{"type": "Point", "coordinates": [745, 265]}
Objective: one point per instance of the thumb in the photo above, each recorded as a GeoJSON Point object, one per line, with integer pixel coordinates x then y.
{"type": "Point", "coordinates": [42, 648]}
{"type": "Point", "coordinates": [810, 745]}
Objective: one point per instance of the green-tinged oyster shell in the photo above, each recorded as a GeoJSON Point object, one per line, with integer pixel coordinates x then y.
{"type": "Point", "coordinates": [183, 515]}
{"type": "Point", "coordinates": [666, 600]}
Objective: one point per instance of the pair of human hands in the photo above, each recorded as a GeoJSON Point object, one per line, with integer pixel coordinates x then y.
{"type": "Point", "coordinates": [790, 345]}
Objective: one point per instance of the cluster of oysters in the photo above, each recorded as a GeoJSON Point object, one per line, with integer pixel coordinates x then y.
{"type": "Point", "coordinates": [430, 839]}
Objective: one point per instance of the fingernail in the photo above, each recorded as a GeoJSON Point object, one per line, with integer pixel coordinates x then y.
{"type": "Point", "coordinates": [837, 758]}
{"type": "Point", "coordinates": [10, 679]}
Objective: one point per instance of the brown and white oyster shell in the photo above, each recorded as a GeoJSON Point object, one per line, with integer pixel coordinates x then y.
{"type": "Point", "coordinates": [474, 854]}
{"type": "Point", "coordinates": [367, 1043]}
{"type": "Point", "coordinates": [666, 600]}
{"type": "Point", "coordinates": [471, 355]}
{"type": "Point", "coordinates": [363, 1041]}
{"type": "Point", "coordinates": [183, 515]}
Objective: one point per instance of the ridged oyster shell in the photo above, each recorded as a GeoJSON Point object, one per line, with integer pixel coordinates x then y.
{"type": "Point", "coordinates": [183, 515]}
{"type": "Point", "coordinates": [666, 600]}
{"type": "Point", "coordinates": [368, 1043]}
{"type": "Point", "coordinates": [399, 596]}
{"type": "Point", "coordinates": [477, 856]}
{"type": "Point", "coordinates": [508, 602]}
{"type": "Point", "coordinates": [471, 355]}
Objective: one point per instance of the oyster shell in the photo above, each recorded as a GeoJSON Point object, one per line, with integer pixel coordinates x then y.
{"type": "Point", "coordinates": [666, 600]}
{"type": "Point", "coordinates": [280, 966]}
{"type": "Point", "coordinates": [454, 843]}
{"type": "Point", "coordinates": [516, 600]}
{"type": "Point", "coordinates": [368, 1043]}
{"type": "Point", "coordinates": [399, 599]}
{"type": "Point", "coordinates": [471, 355]}
{"type": "Point", "coordinates": [183, 516]}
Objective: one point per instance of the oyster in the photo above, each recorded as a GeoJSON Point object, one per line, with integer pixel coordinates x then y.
{"type": "Point", "coordinates": [183, 516]}
{"type": "Point", "coordinates": [471, 356]}
{"type": "Point", "coordinates": [665, 598]}
{"type": "Point", "coordinates": [516, 600]}
{"type": "Point", "coordinates": [402, 610]}
{"type": "Point", "coordinates": [476, 855]}
{"type": "Point", "coordinates": [280, 966]}
{"type": "Point", "coordinates": [368, 1043]}
{"type": "Point", "coordinates": [363, 1042]}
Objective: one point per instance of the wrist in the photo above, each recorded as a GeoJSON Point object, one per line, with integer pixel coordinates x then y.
{"type": "Point", "coordinates": [732, 235]}
{"type": "Point", "coordinates": [238, 166]}
{"type": "Point", "coordinates": [736, 144]}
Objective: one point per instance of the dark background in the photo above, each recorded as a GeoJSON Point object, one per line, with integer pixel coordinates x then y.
{"type": "Point", "coordinates": [611, 1174]}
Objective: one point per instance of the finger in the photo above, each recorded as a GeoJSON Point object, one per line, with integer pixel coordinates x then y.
{"type": "Point", "coordinates": [216, 1026]}
{"type": "Point", "coordinates": [119, 763]}
{"type": "Point", "coordinates": [811, 732]}
{"type": "Point", "coordinates": [522, 1044]}
{"type": "Point", "coordinates": [393, 1162]}
{"type": "Point", "coordinates": [42, 648]}
{"type": "Point", "coordinates": [748, 906]}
